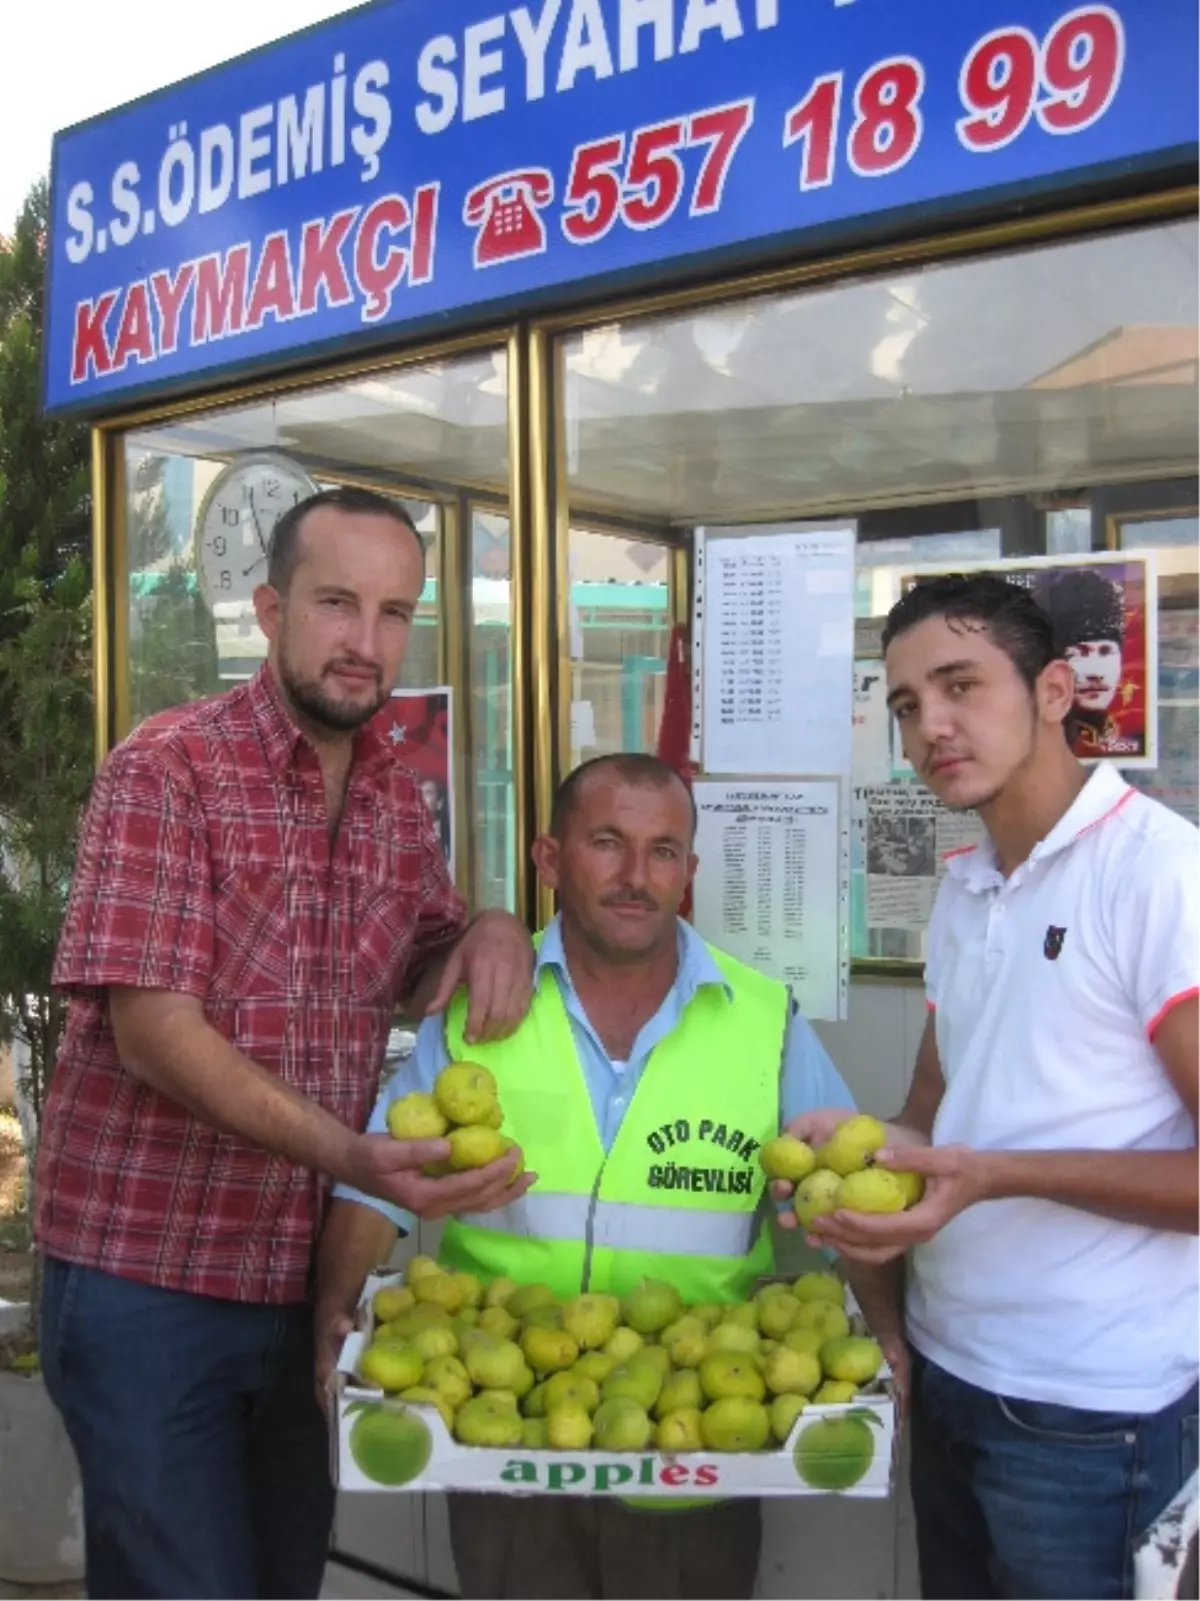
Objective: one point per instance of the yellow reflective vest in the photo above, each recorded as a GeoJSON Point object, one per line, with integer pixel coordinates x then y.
{"type": "Point", "coordinates": [678, 1195]}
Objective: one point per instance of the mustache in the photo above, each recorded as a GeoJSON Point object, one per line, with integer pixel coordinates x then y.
{"type": "Point", "coordinates": [357, 664]}
{"type": "Point", "coordinates": [628, 897]}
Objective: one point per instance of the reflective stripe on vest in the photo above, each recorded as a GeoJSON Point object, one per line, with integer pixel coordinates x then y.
{"type": "Point", "coordinates": [622, 1226]}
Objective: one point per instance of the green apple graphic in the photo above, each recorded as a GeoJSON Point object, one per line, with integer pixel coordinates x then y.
{"type": "Point", "coordinates": [390, 1447]}
{"type": "Point", "coordinates": [835, 1453]}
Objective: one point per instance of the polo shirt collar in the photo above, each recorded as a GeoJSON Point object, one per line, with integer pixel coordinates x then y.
{"type": "Point", "coordinates": [696, 965]}
{"type": "Point", "coordinates": [282, 739]}
{"type": "Point", "coordinates": [1104, 794]}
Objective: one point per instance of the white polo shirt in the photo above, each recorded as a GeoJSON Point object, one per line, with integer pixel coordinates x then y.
{"type": "Point", "coordinates": [1047, 989]}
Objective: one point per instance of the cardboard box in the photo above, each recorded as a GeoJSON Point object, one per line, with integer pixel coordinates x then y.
{"type": "Point", "coordinates": [853, 1446]}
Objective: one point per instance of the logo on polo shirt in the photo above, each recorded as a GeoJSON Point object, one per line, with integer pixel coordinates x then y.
{"type": "Point", "coordinates": [1052, 948]}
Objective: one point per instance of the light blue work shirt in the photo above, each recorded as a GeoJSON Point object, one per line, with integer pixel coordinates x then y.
{"type": "Point", "coordinates": [809, 1079]}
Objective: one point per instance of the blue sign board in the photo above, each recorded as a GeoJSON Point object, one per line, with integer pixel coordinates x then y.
{"type": "Point", "coordinates": [422, 163]}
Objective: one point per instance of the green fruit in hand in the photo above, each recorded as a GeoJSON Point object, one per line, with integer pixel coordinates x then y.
{"type": "Point", "coordinates": [912, 1186]}
{"type": "Point", "coordinates": [785, 1409]}
{"type": "Point", "coordinates": [652, 1306]}
{"type": "Point", "coordinates": [680, 1430]}
{"type": "Point", "coordinates": [639, 1382]}
{"type": "Point", "coordinates": [829, 1321]}
{"type": "Point", "coordinates": [488, 1420]}
{"type": "Point", "coordinates": [776, 1315]}
{"type": "Point", "coordinates": [680, 1392]}
{"type": "Point", "coordinates": [835, 1392]}
{"type": "Point", "coordinates": [528, 1298]}
{"type": "Point", "coordinates": [390, 1448]}
{"type": "Point", "coordinates": [392, 1302]}
{"type": "Point", "coordinates": [571, 1389]}
{"type": "Point", "coordinates": [568, 1428]}
{"type": "Point", "coordinates": [852, 1358]}
{"type": "Point", "coordinates": [449, 1378]}
{"type": "Point", "coordinates": [465, 1093]}
{"type": "Point", "coordinates": [733, 1337]}
{"type": "Point", "coordinates": [416, 1117]}
{"type": "Point", "coordinates": [473, 1146]}
{"type": "Point", "coordinates": [621, 1425]}
{"type": "Point", "coordinates": [819, 1287]}
{"type": "Point", "coordinates": [852, 1144]}
{"type": "Point", "coordinates": [735, 1424]}
{"type": "Point", "coordinates": [731, 1375]}
{"type": "Point", "coordinates": [623, 1343]}
{"type": "Point", "coordinates": [816, 1196]}
{"type": "Point", "coordinates": [591, 1319]}
{"type": "Point", "coordinates": [495, 1364]}
{"type": "Point", "coordinates": [419, 1395]}
{"type": "Point", "coordinates": [594, 1365]}
{"type": "Point", "coordinates": [792, 1372]}
{"type": "Point", "coordinates": [834, 1453]}
{"type": "Point", "coordinates": [494, 1119]}
{"type": "Point", "coordinates": [498, 1292]}
{"type": "Point", "coordinates": [548, 1350]}
{"type": "Point", "coordinates": [390, 1367]}
{"type": "Point", "coordinates": [533, 1434]}
{"type": "Point", "coordinates": [788, 1158]}
{"type": "Point", "coordinates": [873, 1190]}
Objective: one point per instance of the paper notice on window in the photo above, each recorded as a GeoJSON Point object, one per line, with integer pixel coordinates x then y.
{"type": "Point", "coordinates": [776, 627]}
{"type": "Point", "coordinates": [909, 835]}
{"type": "Point", "coordinates": [768, 889]}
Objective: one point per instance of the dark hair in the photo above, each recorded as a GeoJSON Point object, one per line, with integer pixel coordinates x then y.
{"type": "Point", "coordinates": [284, 556]}
{"type": "Point", "coordinates": [1007, 612]}
{"type": "Point", "coordinates": [631, 768]}
{"type": "Point", "coordinates": [1084, 605]}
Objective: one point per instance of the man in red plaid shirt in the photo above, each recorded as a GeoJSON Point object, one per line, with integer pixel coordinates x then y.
{"type": "Point", "coordinates": [258, 884]}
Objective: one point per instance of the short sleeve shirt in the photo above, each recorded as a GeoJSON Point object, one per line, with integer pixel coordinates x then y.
{"type": "Point", "coordinates": [206, 867]}
{"type": "Point", "coordinates": [1048, 988]}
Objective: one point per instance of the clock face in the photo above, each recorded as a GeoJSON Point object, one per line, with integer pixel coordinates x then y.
{"type": "Point", "coordinates": [236, 520]}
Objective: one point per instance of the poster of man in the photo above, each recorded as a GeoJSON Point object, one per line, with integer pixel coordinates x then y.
{"type": "Point", "coordinates": [1104, 610]}
{"type": "Point", "coordinates": [418, 724]}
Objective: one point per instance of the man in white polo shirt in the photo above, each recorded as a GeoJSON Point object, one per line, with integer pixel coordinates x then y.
{"type": "Point", "coordinates": [1053, 1288]}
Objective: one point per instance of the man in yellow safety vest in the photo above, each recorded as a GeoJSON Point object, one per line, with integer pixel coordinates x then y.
{"type": "Point", "coordinates": [649, 1071]}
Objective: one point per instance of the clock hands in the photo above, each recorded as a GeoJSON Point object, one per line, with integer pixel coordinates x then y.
{"type": "Point", "coordinates": [258, 531]}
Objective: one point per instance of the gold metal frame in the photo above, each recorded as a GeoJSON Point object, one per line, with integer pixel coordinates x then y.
{"type": "Point", "coordinates": [539, 492]}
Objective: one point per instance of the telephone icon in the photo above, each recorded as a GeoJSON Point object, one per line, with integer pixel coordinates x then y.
{"type": "Point", "coordinates": [505, 211]}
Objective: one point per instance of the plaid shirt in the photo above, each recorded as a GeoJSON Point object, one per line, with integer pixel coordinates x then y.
{"type": "Point", "coordinates": [206, 868]}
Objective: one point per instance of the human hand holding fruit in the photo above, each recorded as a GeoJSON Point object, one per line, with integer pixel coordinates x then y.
{"type": "Point", "coordinates": [953, 1180]}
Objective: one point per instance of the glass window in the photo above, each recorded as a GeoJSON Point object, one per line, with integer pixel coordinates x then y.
{"type": "Point", "coordinates": [203, 492]}
{"type": "Point", "coordinates": [620, 623]}
{"type": "Point", "coordinates": [1031, 404]}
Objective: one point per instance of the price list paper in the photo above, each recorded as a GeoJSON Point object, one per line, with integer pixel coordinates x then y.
{"type": "Point", "coordinates": [768, 888]}
{"type": "Point", "coordinates": [776, 626]}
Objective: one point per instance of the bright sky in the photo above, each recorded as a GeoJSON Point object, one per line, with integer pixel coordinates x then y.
{"type": "Point", "coordinates": [64, 60]}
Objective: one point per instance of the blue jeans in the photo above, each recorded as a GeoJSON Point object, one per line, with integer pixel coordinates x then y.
{"type": "Point", "coordinates": [203, 1454]}
{"type": "Point", "coordinates": [1023, 1499]}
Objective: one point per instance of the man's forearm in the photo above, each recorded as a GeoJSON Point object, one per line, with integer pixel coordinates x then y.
{"type": "Point", "coordinates": [1155, 1189]}
{"type": "Point", "coordinates": [879, 1292]}
{"type": "Point", "coordinates": [183, 1057]}
{"type": "Point", "coordinates": [355, 1239]}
